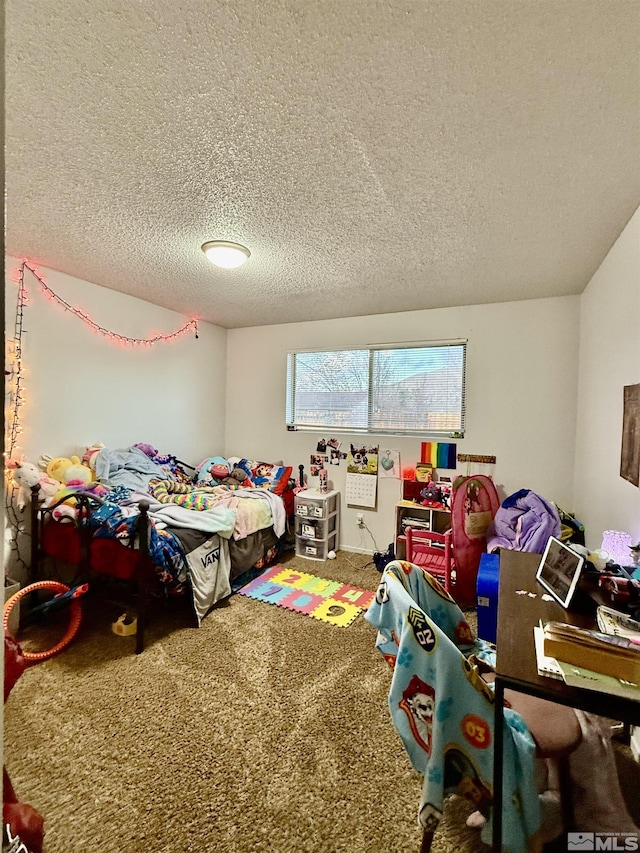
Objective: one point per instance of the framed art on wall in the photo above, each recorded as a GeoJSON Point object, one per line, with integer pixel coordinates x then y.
{"type": "Point", "coordinates": [630, 450]}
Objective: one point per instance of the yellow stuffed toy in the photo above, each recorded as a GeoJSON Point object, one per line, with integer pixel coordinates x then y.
{"type": "Point", "coordinates": [67, 471]}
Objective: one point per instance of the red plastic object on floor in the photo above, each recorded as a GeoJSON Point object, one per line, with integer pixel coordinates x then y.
{"type": "Point", "coordinates": [22, 820]}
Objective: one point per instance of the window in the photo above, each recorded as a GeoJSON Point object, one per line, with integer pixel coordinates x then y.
{"type": "Point", "coordinates": [383, 389]}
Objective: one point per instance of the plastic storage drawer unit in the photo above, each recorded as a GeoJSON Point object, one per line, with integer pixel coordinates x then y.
{"type": "Point", "coordinates": [487, 596]}
{"type": "Point", "coordinates": [316, 527]}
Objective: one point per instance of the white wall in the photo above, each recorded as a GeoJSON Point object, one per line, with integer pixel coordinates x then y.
{"type": "Point", "coordinates": [609, 360]}
{"type": "Point", "coordinates": [521, 396]}
{"type": "Point", "coordinates": [82, 388]}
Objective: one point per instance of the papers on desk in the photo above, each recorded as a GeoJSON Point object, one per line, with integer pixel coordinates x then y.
{"type": "Point", "coordinates": [546, 665]}
{"type": "Point", "coordinates": [576, 676]}
{"type": "Point", "coordinates": [611, 621]}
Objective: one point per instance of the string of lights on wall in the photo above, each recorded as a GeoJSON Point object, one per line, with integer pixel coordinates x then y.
{"type": "Point", "coordinates": [14, 371]}
{"type": "Point", "coordinates": [14, 388]}
{"type": "Point", "coordinates": [192, 325]}
{"type": "Point", "coordinates": [15, 382]}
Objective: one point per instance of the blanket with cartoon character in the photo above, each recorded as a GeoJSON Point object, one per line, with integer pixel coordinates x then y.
{"type": "Point", "coordinates": [443, 710]}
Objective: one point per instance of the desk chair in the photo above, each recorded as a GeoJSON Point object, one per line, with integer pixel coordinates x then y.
{"type": "Point", "coordinates": [433, 552]}
{"type": "Point", "coordinates": [443, 709]}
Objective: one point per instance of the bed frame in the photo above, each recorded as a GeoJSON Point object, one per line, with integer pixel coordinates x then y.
{"type": "Point", "coordinates": [139, 572]}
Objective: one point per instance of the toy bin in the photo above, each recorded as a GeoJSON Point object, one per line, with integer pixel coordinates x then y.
{"type": "Point", "coordinates": [487, 596]}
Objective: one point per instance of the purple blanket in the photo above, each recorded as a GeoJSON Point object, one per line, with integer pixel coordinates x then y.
{"type": "Point", "coordinates": [524, 522]}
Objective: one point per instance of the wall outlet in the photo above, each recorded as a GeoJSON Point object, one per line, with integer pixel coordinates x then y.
{"type": "Point", "coordinates": [360, 519]}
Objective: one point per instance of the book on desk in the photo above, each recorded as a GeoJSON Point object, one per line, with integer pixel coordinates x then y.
{"type": "Point", "coordinates": [605, 662]}
{"type": "Point", "coordinates": [577, 676]}
{"type": "Point", "coordinates": [609, 654]}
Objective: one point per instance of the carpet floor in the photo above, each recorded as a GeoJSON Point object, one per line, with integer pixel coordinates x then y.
{"type": "Point", "coordinates": [261, 730]}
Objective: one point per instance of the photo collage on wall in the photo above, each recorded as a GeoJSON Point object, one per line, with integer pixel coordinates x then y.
{"type": "Point", "coordinates": [327, 453]}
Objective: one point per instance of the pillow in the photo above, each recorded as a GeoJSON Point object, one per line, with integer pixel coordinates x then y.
{"type": "Point", "coordinates": [265, 475]}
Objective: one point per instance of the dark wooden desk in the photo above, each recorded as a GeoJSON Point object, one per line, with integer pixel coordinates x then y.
{"type": "Point", "coordinates": [516, 660]}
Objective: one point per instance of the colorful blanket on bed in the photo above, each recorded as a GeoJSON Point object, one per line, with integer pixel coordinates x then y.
{"type": "Point", "coordinates": [166, 553]}
{"type": "Point", "coordinates": [253, 511]}
{"type": "Point", "coordinates": [183, 494]}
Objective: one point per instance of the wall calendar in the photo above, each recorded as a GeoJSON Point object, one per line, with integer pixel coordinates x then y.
{"type": "Point", "coordinates": [361, 490]}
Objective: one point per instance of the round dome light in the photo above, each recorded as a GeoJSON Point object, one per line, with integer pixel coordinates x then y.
{"type": "Point", "coordinates": [228, 256]}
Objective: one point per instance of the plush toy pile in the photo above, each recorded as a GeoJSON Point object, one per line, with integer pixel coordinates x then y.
{"type": "Point", "coordinates": [61, 477]}
{"type": "Point", "coordinates": [216, 471]}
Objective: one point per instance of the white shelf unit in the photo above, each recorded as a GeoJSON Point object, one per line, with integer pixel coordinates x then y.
{"type": "Point", "coordinates": [317, 523]}
{"type": "Point", "coordinates": [424, 517]}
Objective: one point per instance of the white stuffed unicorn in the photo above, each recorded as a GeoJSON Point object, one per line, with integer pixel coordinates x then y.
{"type": "Point", "coordinates": [26, 475]}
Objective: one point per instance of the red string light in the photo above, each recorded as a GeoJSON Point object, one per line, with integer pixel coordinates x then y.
{"type": "Point", "coordinates": [14, 370]}
{"type": "Point", "coordinates": [192, 325]}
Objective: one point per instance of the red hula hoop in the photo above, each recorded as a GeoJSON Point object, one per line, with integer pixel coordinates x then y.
{"type": "Point", "coordinates": [74, 619]}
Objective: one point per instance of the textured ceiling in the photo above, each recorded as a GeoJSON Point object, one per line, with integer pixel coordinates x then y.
{"type": "Point", "coordinates": [374, 156]}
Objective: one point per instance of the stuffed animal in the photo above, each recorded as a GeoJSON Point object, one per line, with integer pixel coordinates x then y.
{"type": "Point", "coordinates": [237, 477]}
{"type": "Point", "coordinates": [78, 474]}
{"type": "Point", "coordinates": [90, 454]}
{"type": "Point", "coordinates": [64, 509]}
{"type": "Point", "coordinates": [148, 449]}
{"type": "Point", "coordinates": [26, 475]}
{"type": "Point", "coordinates": [433, 495]}
{"type": "Point", "coordinates": [66, 470]}
{"type": "Point", "coordinates": [216, 471]}
{"type": "Point", "coordinates": [204, 472]}
{"type": "Point", "coordinates": [54, 466]}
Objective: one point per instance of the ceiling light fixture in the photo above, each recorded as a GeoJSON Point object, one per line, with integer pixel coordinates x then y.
{"type": "Point", "coordinates": [227, 255]}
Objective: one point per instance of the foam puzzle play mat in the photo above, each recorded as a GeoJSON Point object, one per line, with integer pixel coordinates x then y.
{"type": "Point", "coordinates": [330, 601]}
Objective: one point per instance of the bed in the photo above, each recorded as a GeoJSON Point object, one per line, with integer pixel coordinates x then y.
{"type": "Point", "coordinates": [163, 526]}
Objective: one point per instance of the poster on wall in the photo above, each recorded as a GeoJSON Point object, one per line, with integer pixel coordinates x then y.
{"type": "Point", "coordinates": [630, 451]}
{"type": "Point", "coordinates": [362, 460]}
